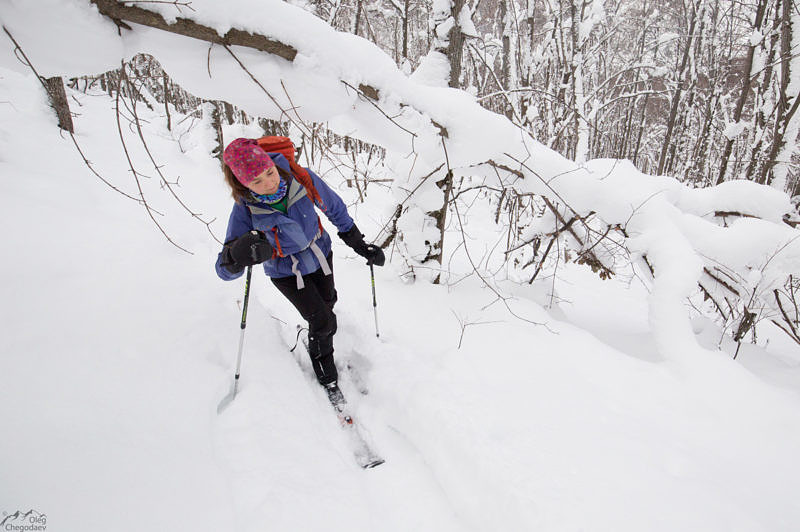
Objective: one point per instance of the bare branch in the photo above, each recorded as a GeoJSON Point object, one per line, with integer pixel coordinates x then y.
{"type": "Point", "coordinates": [164, 181]}
{"type": "Point", "coordinates": [464, 324]}
{"type": "Point", "coordinates": [72, 135]}
{"type": "Point", "coordinates": [363, 92]}
{"type": "Point", "coordinates": [147, 207]}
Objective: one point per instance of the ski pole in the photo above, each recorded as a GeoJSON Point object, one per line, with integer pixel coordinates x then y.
{"type": "Point", "coordinates": [243, 325]}
{"type": "Point", "coordinates": [232, 395]}
{"type": "Point", "coordinates": [374, 300]}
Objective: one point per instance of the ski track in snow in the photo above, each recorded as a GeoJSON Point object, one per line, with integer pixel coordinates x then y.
{"type": "Point", "coordinates": [280, 404]}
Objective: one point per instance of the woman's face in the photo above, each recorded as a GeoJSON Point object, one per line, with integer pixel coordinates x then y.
{"type": "Point", "coordinates": [266, 182]}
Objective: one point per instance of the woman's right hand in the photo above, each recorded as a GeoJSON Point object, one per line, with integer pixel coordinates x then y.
{"type": "Point", "coordinates": [249, 249]}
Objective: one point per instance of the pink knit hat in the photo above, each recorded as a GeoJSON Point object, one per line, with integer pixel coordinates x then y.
{"type": "Point", "coordinates": [246, 159]}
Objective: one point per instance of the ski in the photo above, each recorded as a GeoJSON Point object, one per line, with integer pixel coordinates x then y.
{"type": "Point", "coordinates": [365, 456]}
{"type": "Point", "coordinates": [363, 452]}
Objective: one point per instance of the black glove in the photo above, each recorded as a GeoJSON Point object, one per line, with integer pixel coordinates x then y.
{"type": "Point", "coordinates": [371, 252]}
{"type": "Point", "coordinates": [374, 255]}
{"type": "Point", "coordinates": [249, 249]}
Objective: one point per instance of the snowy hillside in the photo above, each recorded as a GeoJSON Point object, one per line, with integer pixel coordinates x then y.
{"type": "Point", "coordinates": [584, 412]}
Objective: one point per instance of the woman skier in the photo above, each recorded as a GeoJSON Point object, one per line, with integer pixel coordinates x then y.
{"type": "Point", "coordinates": [273, 222]}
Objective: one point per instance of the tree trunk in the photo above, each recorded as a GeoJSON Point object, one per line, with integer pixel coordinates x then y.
{"type": "Point", "coordinates": [505, 75]}
{"type": "Point", "coordinates": [746, 83]}
{"type": "Point", "coordinates": [166, 101]}
{"type": "Point", "coordinates": [785, 112]}
{"type": "Point", "coordinates": [676, 97]}
{"type": "Point", "coordinates": [763, 93]}
{"type": "Point", "coordinates": [440, 216]}
{"type": "Point", "coordinates": [119, 12]}
{"type": "Point", "coordinates": [59, 103]}
{"type": "Point", "coordinates": [405, 28]}
{"type": "Point", "coordinates": [456, 48]}
{"type": "Point", "coordinates": [216, 125]}
{"type": "Point", "coordinates": [452, 44]}
{"type": "Point", "coordinates": [641, 130]}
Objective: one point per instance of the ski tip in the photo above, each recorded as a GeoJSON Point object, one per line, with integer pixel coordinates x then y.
{"type": "Point", "coordinates": [373, 463]}
{"type": "Point", "coordinates": [226, 401]}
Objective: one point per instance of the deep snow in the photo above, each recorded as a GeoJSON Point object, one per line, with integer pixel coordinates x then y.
{"type": "Point", "coordinates": [116, 348]}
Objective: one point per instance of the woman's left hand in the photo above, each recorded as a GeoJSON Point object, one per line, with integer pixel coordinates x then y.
{"type": "Point", "coordinates": [373, 254]}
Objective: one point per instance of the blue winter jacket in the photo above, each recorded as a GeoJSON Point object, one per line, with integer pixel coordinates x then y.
{"type": "Point", "coordinates": [294, 230]}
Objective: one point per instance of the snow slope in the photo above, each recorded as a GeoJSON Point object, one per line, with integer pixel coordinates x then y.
{"type": "Point", "coordinates": [117, 348]}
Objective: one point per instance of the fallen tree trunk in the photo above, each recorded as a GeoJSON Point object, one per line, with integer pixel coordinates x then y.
{"type": "Point", "coordinates": [189, 28]}
{"type": "Point", "coordinates": [120, 13]}
{"type": "Point", "coordinates": [58, 100]}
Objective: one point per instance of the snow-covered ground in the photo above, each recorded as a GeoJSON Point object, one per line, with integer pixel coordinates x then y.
{"type": "Point", "coordinates": [117, 347]}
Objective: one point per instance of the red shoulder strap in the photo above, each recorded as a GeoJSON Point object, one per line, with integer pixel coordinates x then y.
{"type": "Point", "coordinates": [284, 146]}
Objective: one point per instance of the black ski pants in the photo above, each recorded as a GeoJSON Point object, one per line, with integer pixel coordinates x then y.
{"type": "Point", "coordinates": [315, 303]}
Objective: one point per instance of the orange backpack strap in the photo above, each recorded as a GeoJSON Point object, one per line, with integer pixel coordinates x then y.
{"type": "Point", "coordinates": [277, 252]}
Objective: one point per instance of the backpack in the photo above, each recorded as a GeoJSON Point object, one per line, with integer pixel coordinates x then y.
{"type": "Point", "coordinates": [284, 146]}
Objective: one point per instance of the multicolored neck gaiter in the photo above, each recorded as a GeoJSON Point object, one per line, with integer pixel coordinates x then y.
{"type": "Point", "coordinates": [277, 196]}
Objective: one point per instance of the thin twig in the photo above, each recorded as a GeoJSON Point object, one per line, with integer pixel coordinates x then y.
{"type": "Point", "coordinates": [147, 207]}
{"type": "Point", "coordinates": [166, 183]}
{"type": "Point", "coordinates": [301, 126]}
{"type": "Point", "coordinates": [501, 297]}
{"type": "Point", "coordinates": [464, 324]}
{"type": "Point", "coordinates": [400, 205]}
{"type": "Point", "coordinates": [369, 100]}
{"type": "Point", "coordinates": [91, 168]}
{"type": "Point", "coordinates": [72, 135]}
